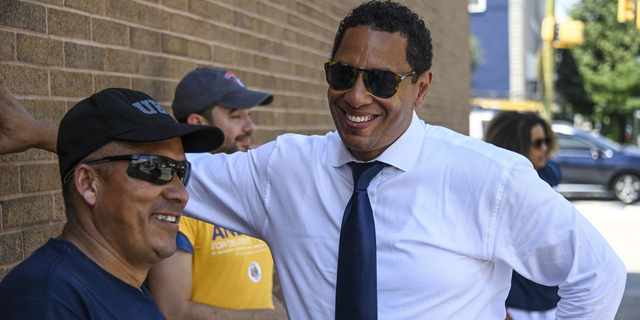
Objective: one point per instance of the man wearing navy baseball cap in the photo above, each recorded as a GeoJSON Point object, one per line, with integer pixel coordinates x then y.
{"type": "Point", "coordinates": [217, 97]}
{"type": "Point", "coordinates": [204, 279]}
{"type": "Point", "coordinates": [124, 173]}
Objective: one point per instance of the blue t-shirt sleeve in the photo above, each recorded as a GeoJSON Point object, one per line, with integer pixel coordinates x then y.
{"type": "Point", "coordinates": [44, 310]}
{"type": "Point", "coordinates": [183, 243]}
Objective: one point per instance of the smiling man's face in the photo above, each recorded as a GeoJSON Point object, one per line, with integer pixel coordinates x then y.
{"type": "Point", "coordinates": [140, 219]}
{"type": "Point", "coordinates": [367, 124]}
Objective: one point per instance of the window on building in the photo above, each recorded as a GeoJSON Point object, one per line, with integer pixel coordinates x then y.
{"type": "Point", "coordinates": [477, 6]}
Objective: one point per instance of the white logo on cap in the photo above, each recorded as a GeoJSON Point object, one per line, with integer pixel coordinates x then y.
{"type": "Point", "coordinates": [234, 79]}
{"type": "Point", "coordinates": [149, 107]}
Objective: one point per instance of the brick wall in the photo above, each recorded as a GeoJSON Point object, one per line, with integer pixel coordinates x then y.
{"type": "Point", "coordinates": [53, 53]}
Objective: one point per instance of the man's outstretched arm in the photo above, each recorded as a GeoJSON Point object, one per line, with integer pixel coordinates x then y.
{"type": "Point", "coordinates": [170, 285]}
{"type": "Point", "coordinates": [19, 131]}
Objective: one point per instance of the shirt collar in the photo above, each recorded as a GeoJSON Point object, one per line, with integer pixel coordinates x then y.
{"type": "Point", "coordinates": [402, 154]}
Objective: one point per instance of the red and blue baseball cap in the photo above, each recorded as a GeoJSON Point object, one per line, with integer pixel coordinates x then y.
{"type": "Point", "coordinates": [203, 88]}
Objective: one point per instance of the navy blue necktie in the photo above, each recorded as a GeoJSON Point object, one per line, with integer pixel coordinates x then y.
{"type": "Point", "coordinates": [357, 283]}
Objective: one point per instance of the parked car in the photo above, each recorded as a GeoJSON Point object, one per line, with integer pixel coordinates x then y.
{"type": "Point", "coordinates": [590, 161]}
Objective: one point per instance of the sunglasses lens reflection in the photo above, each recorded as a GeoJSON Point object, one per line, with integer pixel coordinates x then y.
{"type": "Point", "coordinates": [158, 170]}
{"type": "Point", "coordinates": [341, 77]}
{"type": "Point", "coordinates": [381, 83]}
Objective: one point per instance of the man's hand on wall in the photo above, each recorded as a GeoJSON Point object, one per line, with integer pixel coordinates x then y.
{"type": "Point", "coordinates": [19, 131]}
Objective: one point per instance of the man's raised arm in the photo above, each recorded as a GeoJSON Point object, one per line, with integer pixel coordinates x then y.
{"type": "Point", "coordinates": [19, 131]}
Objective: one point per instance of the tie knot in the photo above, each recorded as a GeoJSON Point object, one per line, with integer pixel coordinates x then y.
{"type": "Point", "coordinates": [363, 173]}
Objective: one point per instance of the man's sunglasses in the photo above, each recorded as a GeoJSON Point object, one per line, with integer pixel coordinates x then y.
{"type": "Point", "coordinates": [381, 83]}
{"type": "Point", "coordinates": [538, 142]}
{"type": "Point", "coordinates": [151, 168]}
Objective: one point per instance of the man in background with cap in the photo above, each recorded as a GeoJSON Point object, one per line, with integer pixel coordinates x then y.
{"type": "Point", "coordinates": [124, 174]}
{"type": "Point", "coordinates": [216, 273]}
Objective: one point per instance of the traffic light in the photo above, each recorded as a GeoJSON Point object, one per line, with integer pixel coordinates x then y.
{"type": "Point", "coordinates": [570, 33]}
{"type": "Point", "coordinates": [565, 34]}
{"type": "Point", "coordinates": [626, 10]}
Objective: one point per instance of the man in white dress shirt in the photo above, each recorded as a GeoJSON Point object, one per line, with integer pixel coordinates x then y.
{"type": "Point", "coordinates": [453, 215]}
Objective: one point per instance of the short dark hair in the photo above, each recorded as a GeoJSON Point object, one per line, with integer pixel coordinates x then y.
{"type": "Point", "coordinates": [206, 113]}
{"type": "Point", "coordinates": [389, 16]}
{"type": "Point", "coordinates": [110, 148]}
{"type": "Point", "coordinates": [512, 131]}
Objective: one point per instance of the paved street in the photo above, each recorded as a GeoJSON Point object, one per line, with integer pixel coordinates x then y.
{"type": "Point", "coordinates": [620, 225]}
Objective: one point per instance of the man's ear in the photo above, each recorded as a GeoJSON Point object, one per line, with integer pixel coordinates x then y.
{"type": "Point", "coordinates": [86, 183]}
{"type": "Point", "coordinates": [195, 118]}
{"type": "Point", "coordinates": [424, 83]}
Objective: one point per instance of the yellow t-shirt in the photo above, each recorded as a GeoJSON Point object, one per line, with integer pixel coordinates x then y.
{"type": "Point", "coordinates": [230, 270]}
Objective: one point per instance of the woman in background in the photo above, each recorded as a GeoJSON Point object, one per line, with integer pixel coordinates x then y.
{"type": "Point", "coordinates": [530, 136]}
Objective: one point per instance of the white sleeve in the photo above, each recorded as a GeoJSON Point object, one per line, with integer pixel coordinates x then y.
{"type": "Point", "coordinates": [545, 239]}
{"type": "Point", "coordinates": [230, 190]}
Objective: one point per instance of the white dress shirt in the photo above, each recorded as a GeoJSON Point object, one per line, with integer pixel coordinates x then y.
{"type": "Point", "coordinates": [453, 217]}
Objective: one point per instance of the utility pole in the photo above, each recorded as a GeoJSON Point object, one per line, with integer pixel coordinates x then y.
{"type": "Point", "coordinates": [548, 65]}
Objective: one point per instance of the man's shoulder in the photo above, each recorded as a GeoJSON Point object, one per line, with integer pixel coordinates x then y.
{"type": "Point", "coordinates": [36, 280]}
{"type": "Point", "coordinates": [457, 147]}
{"type": "Point", "coordinates": [290, 139]}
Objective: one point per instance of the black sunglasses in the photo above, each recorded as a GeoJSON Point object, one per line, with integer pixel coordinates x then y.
{"type": "Point", "coordinates": [538, 142]}
{"type": "Point", "coordinates": [381, 83]}
{"type": "Point", "coordinates": [151, 168]}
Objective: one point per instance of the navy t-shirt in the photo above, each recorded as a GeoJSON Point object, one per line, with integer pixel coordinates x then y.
{"type": "Point", "coordinates": [60, 282]}
{"type": "Point", "coordinates": [526, 294]}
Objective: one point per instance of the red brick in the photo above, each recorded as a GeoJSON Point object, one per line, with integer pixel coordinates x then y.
{"type": "Point", "coordinates": [7, 45]}
{"type": "Point", "coordinates": [71, 84]}
{"type": "Point", "coordinates": [83, 57]}
{"type": "Point", "coordinates": [21, 15]}
{"type": "Point", "coordinates": [144, 39]}
{"type": "Point", "coordinates": [69, 24]}
{"type": "Point", "coordinates": [21, 79]}
{"type": "Point", "coordinates": [110, 32]}
{"type": "Point", "coordinates": [26, 211]}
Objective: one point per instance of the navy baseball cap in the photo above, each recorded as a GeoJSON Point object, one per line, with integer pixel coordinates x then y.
{"type": "Point", "coordinates": [203, 88]}
{"type": "Point", "coordinates": [126, 115]}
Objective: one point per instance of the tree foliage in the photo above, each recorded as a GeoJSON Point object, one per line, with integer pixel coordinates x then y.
{"type": "Point", "coordinates": [607, 63]}
{"type": "Point", "coordinates": [477, 55]}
